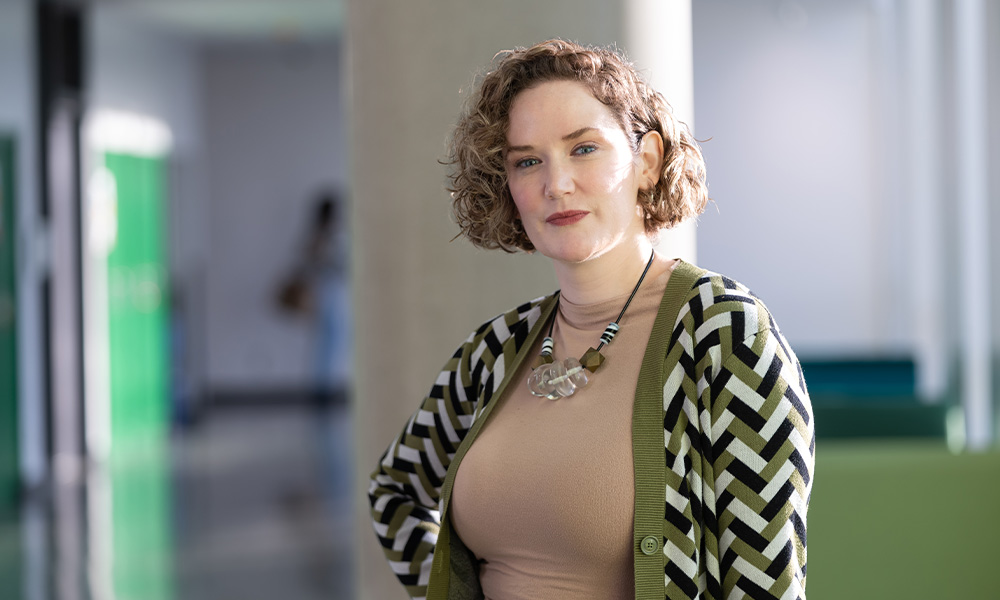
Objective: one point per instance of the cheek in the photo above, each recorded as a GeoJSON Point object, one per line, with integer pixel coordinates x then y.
{"type": "Point", "coordinates": [612, 176]}
{"type": "Point", "coordinates": [521, 201]}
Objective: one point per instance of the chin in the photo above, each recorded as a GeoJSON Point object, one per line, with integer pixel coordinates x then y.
{"type": "Point", "coordinates": [569, 255]}
{"type": "Point", "coordinates": [576, 248]}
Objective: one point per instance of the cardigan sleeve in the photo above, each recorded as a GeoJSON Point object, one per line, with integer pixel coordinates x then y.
{"type": "Point", "coordinates": [762, 451]}
{"type": "Point", "coordinates": [405, 488]}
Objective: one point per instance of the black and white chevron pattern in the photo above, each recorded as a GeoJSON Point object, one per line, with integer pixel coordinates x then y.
{"type": "Point", "coordinates": [738, 437]}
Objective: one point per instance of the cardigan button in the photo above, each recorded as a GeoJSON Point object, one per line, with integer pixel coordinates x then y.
{"type": "Point", "coordinates": [649, 545]}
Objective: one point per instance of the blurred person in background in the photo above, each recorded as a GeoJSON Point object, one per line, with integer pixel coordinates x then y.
{"type": "Point", "coordinates": [317, 286]}
{"type": "Point", "coordinates": [643, 432]}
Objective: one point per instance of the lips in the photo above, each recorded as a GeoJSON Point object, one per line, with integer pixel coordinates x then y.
{"type": "Point", "coordinates": [566, 217]}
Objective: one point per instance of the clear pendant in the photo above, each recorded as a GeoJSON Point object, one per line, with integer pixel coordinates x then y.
{"type": "Point", "coordinates": [558, 379]}
{"type": "Point", "coordinates": [572, 377]}
{"type": "Point", "coordinates": [540, 382]}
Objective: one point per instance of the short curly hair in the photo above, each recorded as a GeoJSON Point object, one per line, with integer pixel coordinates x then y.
{"type": "Point", "coordinates": [482, 204]}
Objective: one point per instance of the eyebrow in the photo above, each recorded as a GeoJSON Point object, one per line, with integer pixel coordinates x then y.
{"type": "Point", "coordinates": [566, 138]}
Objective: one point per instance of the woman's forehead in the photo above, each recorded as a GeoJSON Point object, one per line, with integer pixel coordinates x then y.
{"type": "Point", "coordinates": [556, 108]}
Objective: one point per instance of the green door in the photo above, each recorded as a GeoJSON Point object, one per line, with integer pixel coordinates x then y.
{"type": "Point", "coordinates": [138, 348]}
{"type": "Point", "coordinates": [138, 307]}
{"type": "Point", "coordinates": [9, 479]}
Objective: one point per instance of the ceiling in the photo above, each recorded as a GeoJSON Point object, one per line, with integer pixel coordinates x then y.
{"type": "Point", "coordinates": [237, 20]}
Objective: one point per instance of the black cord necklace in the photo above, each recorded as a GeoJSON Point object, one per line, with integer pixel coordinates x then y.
{"type": "Point", "coordinates": [554, 380]}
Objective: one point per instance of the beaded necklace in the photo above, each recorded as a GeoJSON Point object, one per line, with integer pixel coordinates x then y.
{"type": "Point", "coordinates": [554, 380]}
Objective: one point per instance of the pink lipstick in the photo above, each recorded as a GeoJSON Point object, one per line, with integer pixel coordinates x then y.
{"type": "Point", "coordinates": [566, 217]}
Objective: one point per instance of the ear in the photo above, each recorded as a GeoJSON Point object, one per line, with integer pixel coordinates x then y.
{"type": "Point", "coordinates": [651, 157]}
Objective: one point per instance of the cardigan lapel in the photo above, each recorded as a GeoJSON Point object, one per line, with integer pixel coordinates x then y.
{"type": "Point", "coordinates": [648, 439]}
{"type": "Point", "coordinates": [514, 350]}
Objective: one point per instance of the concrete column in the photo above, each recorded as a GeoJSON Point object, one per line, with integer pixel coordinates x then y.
{"type": "Point", "coordinates": [992, 20]}
{"type": "Point", "coordinates": [658, 36]}
{"type": "Point", "coordinates": [971, 152]}
{"type": "Point", "coordinates": [923, 173]}
{"type": "Point", "coordinates": [893, 202]}
{"type": "Point", "coordinates": [418, 294]}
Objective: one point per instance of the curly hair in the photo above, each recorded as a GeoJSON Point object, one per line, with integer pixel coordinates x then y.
{"type": "Point", "coordinates": [482, 204]}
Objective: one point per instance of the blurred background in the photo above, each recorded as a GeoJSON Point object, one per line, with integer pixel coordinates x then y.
{"type": "Point", "coordinates": [226, 278]}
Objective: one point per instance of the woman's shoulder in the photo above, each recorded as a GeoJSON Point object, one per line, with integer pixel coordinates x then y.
{"type": "Point", "coordinates": [509, 328]}
{"type": "Point", "coordinates": [526, 313]}
{"type": "Point", "coordinates": [716, 301]}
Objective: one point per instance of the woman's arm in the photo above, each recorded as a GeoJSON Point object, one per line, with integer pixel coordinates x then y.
{"type": "Point", "coordinates": [405, 488]}
{"type": "Point", "coordinates": [762, 456]}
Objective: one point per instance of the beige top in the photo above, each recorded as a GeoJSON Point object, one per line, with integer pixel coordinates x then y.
{"type": "Point", "coordinates": [545, 497]}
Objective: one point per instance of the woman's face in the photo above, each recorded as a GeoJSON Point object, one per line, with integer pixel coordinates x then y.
{"type": "Point", "coordinates": [572, 173]}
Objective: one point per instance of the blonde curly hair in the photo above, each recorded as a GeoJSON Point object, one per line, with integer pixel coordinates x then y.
{"type": "Point", "coordinates": [482, 204]}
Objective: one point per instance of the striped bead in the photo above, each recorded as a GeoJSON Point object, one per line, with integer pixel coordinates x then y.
{"type": "Point", "coordinates": [609, 333]}
{"type": "Point", "coordinates": [547, 346]}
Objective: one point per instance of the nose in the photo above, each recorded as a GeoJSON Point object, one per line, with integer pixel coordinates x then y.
{"type": "Point", "coordinates": [559, 180]}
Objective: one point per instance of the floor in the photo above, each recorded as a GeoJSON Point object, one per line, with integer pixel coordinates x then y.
{"type": "Point", "coordinates": [250, 503]}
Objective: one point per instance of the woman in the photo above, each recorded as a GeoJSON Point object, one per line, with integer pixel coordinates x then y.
{"type": "Point", "coordinates": [535, 467]}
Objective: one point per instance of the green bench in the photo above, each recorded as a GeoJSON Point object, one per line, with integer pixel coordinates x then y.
{"type": "Point", "coordinates": [876, 398]}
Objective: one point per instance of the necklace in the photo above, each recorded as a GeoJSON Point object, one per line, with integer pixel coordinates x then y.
{"type": "Point", "coordinates": [554, 380]}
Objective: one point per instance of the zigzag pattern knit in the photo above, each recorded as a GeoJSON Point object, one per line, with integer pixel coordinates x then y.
{"type": "Point", "coordinates": [738, 438]}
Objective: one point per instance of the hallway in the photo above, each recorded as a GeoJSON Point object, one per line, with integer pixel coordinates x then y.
{"type": "Point", "coordinates": [256, 506]}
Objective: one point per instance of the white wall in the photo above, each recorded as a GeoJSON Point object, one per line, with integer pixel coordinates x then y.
{"type": "Point", "coordinates": [275, 138]}
{"type": "Point", "coordinates": [138, 68]}
{"type": "Point", "coordinates": [788, 99]}
{"type": "Point", "coordinates": [18, 116]}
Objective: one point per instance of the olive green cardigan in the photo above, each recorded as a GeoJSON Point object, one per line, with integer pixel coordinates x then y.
{"type": "Point", "coordinates": [720, 396]}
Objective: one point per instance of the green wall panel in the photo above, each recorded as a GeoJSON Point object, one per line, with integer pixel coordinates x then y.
{"type": "Point", "coordinates": [138, 314]}
{"type": "Point", "coordinates": [138, 311]}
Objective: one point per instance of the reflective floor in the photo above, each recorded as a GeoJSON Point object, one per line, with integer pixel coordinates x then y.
{"type": "Point", "coordinates": [249, 503]}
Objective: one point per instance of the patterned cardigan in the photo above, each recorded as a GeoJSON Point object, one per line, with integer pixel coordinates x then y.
{"type": "Point", "coordinates": [720, 396]}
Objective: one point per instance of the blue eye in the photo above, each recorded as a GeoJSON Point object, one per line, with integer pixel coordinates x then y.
{"type": "Point", "coordinates": [587, 149]}
{"type": "Point", "coordinates": [526, 162]}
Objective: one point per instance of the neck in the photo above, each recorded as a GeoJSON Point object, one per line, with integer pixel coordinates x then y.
{"type": "Point", "coordinates": [607, 276]}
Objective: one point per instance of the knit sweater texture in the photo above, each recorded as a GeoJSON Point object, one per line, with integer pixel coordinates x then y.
{"type": "Point", "coordinates": [723, 451]}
